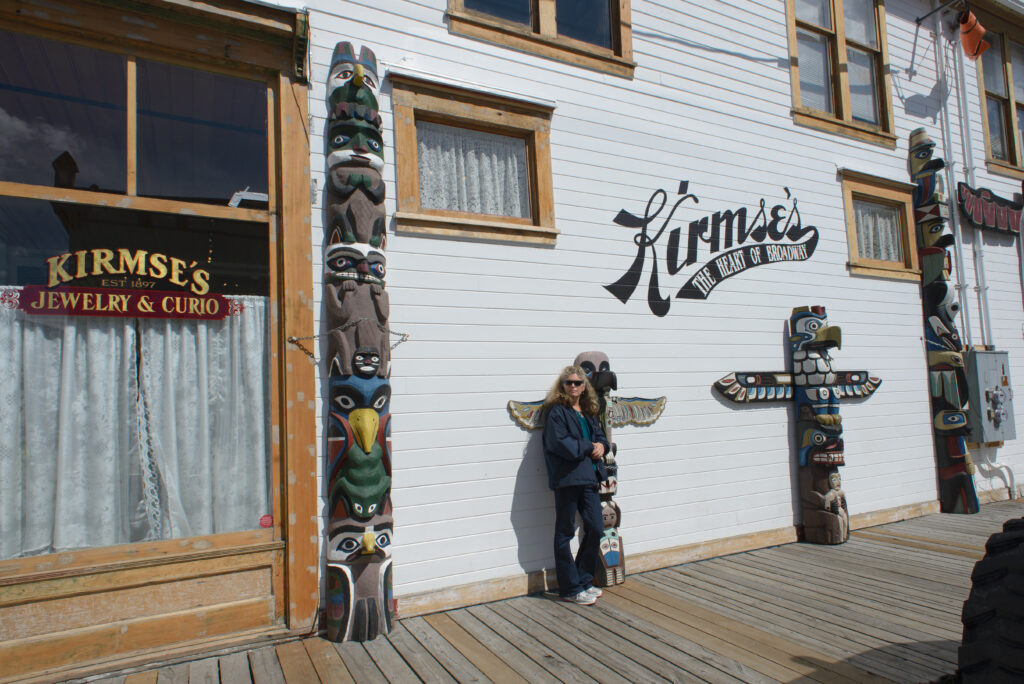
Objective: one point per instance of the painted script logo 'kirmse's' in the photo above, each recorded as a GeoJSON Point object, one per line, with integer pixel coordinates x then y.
{"type": "Point", "coordinates": [774, 235]}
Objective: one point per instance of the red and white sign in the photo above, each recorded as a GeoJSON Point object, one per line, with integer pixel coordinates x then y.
{"type": "Point", "coordinates": [96, 301]}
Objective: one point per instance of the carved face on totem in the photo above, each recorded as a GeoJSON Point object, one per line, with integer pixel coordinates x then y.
{"type": "Point", "coordinates": [354, 143]}
{"type": "Point", "coordinates": [359, 468]}
{"type": "Point", "coordinates": [354, 541]}
{"type": "Point", "coordinates": [351, 73]}
{"type": "Point", "coordinates": [610, 514]}
{"type": "Point", "coordinates": [610, 548]}
{"type": "Point", "coordinates": [598, 369]}
{"type": "Point", "coordinates": [919, 158]}
{"type": "Point", "coordinates": [809, 329]}
{"type": "Point", "coordinates": [355, 261]}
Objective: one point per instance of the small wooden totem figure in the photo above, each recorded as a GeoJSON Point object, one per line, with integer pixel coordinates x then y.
{"type": "Point", "coordinates": [613, 556]}
{"type": "Point", "coordinates": [614, 412]}
{"type": "Point", "coordinates": [360, 604]}
{"type": "Point", "coordinates": [946, 374]}
{"type": "Point", "coordinates": [816, 388]}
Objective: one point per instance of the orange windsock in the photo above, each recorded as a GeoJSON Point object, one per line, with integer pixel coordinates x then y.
{"type": "Point", "coordinates": [972, 35]}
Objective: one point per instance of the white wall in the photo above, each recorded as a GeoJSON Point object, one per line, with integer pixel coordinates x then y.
{"type": "Point", "coordinates": [710, 103]}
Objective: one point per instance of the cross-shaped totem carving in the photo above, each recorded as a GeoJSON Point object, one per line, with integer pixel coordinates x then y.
{"type": "Point", "coordinates": [817, 388]}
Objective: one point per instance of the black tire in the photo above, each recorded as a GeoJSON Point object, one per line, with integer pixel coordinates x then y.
{"type": "Point", "coordinates": [993, 614]}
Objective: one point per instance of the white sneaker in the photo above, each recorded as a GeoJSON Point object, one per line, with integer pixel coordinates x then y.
{"type": "Point", "coordinates": [593, 591]}
{"type": "Point", "coordinates": [581, 599]}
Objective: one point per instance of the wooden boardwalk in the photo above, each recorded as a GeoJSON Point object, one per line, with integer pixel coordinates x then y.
{"type": "Point", "coordinates": [883, 607]}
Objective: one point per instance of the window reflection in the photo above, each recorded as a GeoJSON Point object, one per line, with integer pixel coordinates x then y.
{"type": "Point", "coordinates": [61, 101]}
{"type": "Point", "coordinates": [235, 253]}
{"type": "Point", "coordinates": [202, 136]}
{"type": "Point", "coordinates": [512, 10]}
{"type": "Point", "coordinates": [586, 20]}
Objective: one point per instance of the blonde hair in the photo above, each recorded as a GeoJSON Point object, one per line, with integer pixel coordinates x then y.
{"type": "Point", "coordinates": [557, 395]}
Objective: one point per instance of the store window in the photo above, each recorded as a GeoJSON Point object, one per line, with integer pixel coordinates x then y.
{"type": "Point", "coordinates": [840, 67]}
{"type": "Point", "coordinates": [472, 165]}
{"type": "Point", "coordinates": [591, 33]}
{"type": "Point", "coordinates": [879, 226]}
{"type": "Point", "coordinates": [1002, 75]}
{"type": "Point", "coordinates": [134, 290]}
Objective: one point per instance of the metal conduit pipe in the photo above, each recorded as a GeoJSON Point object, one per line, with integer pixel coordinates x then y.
{"type": "Point", "coordinates": [987, 464]}
{"type": "Point", "coordinates": [961, 287]}
{"type": "Point", "coordinates": [965, 136]}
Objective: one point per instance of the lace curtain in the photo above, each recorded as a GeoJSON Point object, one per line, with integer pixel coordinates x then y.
{"type": "Point", "coordinates": [466, 170]}
{"type": "Point", "coordinates": [116, 430]}
{"type": "Point", "coordinates": [878, 231]}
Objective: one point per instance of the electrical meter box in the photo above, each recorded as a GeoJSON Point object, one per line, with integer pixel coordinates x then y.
{"type": "Point", "coordinates": [990, 397]}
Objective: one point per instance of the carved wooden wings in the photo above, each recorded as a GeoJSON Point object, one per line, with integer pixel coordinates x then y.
{"type": "Point", "coordinates": [621, 411]}
{"type": "Point", "coordinates": [634, 410]}
{"type": "Point", "coordinates": [761, 386]}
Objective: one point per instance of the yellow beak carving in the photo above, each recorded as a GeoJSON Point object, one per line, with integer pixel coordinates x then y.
{"type": "Point", "coordinates": [364, 424]}
{"type": "Point", "coordinates": [833, 333]}
{"type": "Point", "coordinates": [369, 542]}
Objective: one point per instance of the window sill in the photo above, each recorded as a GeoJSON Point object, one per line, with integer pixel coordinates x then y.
{"type": "Point", "coordinates": [895, 273]}
{"type": "Point", "coordinates": [489, 229]}
{"type": "Point", "coordinates": [561, 48]}
{"type": "Point", "coordinates": [815, 119]}
{"type": "Point", "coordinates": [1002, 168]}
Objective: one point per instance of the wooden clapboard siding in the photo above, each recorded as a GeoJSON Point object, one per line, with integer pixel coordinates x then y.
{"type": "Point", "coordinates": [118, 603]}
{"type": "Point", "coordinates": [103, 642]}
{"type": "Point", "coordinates": [871, 611]}
{"type": "Point", "coordinates": [710, 103]}
{"type": "Point", "coordinates": [82, 610]}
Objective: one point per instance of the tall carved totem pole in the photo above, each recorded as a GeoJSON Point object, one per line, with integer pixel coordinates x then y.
{"type": "Point", "coordinates": [816, 388]}
{"type": "Point", "coordinates": [946, 375]}
{"type": "Point", "coordinates": [360, 604]}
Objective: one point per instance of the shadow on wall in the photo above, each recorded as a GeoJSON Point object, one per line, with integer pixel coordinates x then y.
{"type": "Point", "coordinates": [533, 509]}
{"type": "Point", "coordinates": [922, 52]}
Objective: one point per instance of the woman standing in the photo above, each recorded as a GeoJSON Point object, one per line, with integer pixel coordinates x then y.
{"type": "Point", "coordinates": [574, 449]}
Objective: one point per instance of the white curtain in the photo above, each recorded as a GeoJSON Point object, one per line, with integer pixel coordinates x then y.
{"type": "Point", "coordinates": [114, 430]}
{"type": "Point", "coordinates": [466, 170]}
{"type": "Point", "coordinates": [878, 231]}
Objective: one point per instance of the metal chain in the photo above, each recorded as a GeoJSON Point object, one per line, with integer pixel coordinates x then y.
{"type": "Point", "coordinates": [297, 341]}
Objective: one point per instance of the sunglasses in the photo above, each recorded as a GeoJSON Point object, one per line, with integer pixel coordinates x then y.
{"type": "Point", "coordinates": [574, 383]}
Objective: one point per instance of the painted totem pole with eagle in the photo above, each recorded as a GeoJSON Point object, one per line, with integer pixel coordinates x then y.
{"type": "Point", "coordinates": [360, 603]}
{"type": "Point", "coordinates": [816, 388]}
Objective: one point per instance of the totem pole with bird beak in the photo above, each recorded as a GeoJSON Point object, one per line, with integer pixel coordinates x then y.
{"type": "Point", "coordinates": [360, 603]}
{"type": "Point", "coordinates": [816, 389]}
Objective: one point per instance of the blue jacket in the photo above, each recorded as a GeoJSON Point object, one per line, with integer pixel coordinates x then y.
{"type": "Point", "coordinates": [567, 451]}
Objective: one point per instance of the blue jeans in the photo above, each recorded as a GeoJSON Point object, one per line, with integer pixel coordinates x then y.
{"type": "Point", "coordinates": [575, 575]}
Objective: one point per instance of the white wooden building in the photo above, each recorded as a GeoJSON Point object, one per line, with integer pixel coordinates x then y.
{"type": "Point", "coordinates": [702, 92]}
{"type": "Point", "coordinates": [147, 138]}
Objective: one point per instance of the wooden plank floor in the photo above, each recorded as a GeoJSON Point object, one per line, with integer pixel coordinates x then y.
{"type": "Point", "coordinates": [884, 607]}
